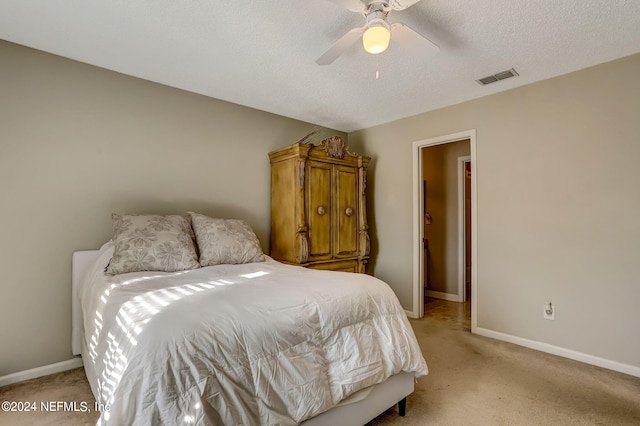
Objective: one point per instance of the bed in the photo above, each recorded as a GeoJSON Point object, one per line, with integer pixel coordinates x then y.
{"type": "Point", "coordinates": [253, 343]}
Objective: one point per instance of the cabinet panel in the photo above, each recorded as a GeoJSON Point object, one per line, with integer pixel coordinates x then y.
{"type": "Point", "coordinates": [283, 212]}
{"type": "Point", "coordinates": [318, 202]}
{"type": "Point", "coordinates": [346, 211]}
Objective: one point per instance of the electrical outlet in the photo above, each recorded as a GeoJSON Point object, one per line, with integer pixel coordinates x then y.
{"type": "Point", "coordinates": [549, 311]}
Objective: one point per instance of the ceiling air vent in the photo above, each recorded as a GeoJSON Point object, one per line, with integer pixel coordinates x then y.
{"type": "Point", "coordinates": [497, 77]}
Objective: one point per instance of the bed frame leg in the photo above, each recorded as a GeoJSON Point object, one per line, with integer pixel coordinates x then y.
{"type": "Point", "coordinates": [402, 407]}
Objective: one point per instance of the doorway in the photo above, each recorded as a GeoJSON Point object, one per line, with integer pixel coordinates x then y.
{"type": "Point", "coordinates": [444, 230]}
{"type": "Point", "coordinates": [461, 283]}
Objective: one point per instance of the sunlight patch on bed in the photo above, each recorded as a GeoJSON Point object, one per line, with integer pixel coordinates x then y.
{"type": "Point", "coordinates": [115, 363]}
{"type": "Point", "coordinates": [184, 292]}
{"type": "Point", "coordinates": [255, 274]}
{"type": "Point", "coordinates": [169, 294]}
{"type": "Point", "coordinates": [218, 283]}
{"type": "Point", "coordinates": [194, 288]}
{"type": "Point", "coordinates": [159, 300]}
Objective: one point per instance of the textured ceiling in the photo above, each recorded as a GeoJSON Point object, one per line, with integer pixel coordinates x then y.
{"type": "Point", "coordinates": [262, 53]}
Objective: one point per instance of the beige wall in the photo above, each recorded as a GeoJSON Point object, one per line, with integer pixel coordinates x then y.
{"type": "Point", "coordinates": [558, 201]}
{"type": "Point", "coordinates": [440, 170]}
{"type": "Point", "coordinates": [79, 142]}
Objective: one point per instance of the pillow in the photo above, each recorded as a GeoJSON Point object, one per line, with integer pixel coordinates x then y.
{"type": "Point", "coordinates": [225, 241]}
{"type": "Point", "coordinates": [152, 243]}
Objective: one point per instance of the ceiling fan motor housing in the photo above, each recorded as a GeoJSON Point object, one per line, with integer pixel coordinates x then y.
{"type": "Point", "coordinates": [376, 14]}
{"type": "Point", "coordinates": [370, 4]}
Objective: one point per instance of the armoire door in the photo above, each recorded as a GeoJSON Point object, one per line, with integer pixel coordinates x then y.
{"type": "Point", "coordinates": [345, 211]}
{"type": "Point", "coordinates": [318, 202]}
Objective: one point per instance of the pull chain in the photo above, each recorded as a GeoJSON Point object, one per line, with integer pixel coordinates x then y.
{"type": "Point", "coordinates": [377, 67]}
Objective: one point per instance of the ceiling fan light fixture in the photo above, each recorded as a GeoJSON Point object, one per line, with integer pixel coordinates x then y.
{"type": "Point", "coordinates": [376, 39]}
{"type": "Point", "coordinates": [376, 31]}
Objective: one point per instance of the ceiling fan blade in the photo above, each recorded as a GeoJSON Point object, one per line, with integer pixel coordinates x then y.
{"type": "Point", "coordinates": [352, 5]}
{"type": "Point", "coordinates": [340, 46]}
{"type": "Point", "coordinates": [401, 4]}
{"type": "Point", "coordinates": [405, 36]}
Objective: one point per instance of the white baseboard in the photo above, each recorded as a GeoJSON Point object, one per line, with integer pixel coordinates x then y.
{"type": "Point", "coordinates": [45, 370]}
{"type": "Point", "coordinates": [411, 314]}
{"type": "Point", "coordinates": [563, 352]}
{"type": "Point", "coordinates": [440, 295]}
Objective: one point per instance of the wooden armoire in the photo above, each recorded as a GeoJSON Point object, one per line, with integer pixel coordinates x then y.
{"type": "Point", "coordinates": [318, 206]}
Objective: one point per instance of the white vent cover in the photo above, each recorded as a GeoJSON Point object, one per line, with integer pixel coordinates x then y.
{"type": "Point", "coordinates": [497, 77]}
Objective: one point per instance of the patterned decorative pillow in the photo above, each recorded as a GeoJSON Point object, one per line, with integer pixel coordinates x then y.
{"type": "Point", "coordinates": [152, 243]}
{"type": "Point", "coordinates": [225, 241]}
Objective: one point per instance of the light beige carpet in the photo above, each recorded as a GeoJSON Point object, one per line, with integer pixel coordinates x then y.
{"type": "Point", "coordinates": [473, 381]}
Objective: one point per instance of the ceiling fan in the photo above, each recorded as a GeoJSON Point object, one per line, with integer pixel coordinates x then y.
{"type": "Point", "coordinates": [376, 32]}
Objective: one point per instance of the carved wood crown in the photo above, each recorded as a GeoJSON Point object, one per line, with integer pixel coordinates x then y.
{"type": "Point", "coordinates": [334, 147]}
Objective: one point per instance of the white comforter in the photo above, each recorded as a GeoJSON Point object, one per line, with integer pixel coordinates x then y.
{"type": "Point", "coordinates": [261, 343]}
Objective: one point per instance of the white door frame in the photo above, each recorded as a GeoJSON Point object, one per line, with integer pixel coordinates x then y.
{"type": "Point", "coordinates": [418, 222]}
{"type": "Point", "coordinates": [462, 267]}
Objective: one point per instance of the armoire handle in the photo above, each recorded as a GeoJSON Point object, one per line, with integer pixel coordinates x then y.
{"type": "Point", "coordinates": [349, 211]}
{"type": "Point", "coordinates": [321, 210]}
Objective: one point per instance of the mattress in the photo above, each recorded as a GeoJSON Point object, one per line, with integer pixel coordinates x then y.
{"type": "Point", "coordinates": [258, 343]}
